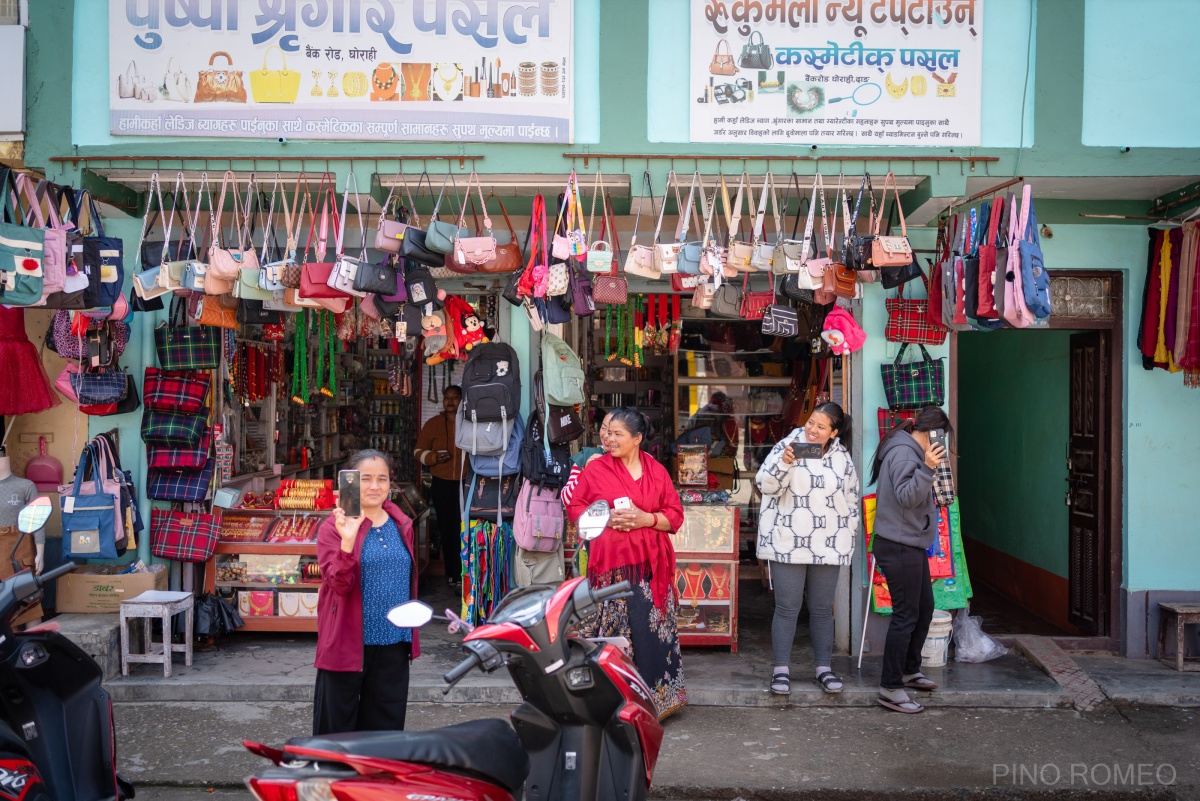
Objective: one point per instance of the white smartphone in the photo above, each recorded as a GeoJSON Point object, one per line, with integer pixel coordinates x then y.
{"type": "Point", "coordinates": [622, 503]}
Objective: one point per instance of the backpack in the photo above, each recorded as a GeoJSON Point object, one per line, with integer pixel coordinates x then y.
{"type": "Point", "coordinates": [538, 518]}
{"type": "Point", "coordinates": [543, 464]}
{"type": "Point", "coordinates": [563, 423]}
{"type": "Point", "coordinates": [505, 463]}
{"type": "Point", "coordinates": [562, 372]}
{"type": "Point", "coordinates": [491, 384]}
{"type": "Point", "coordinates": [484, 439]}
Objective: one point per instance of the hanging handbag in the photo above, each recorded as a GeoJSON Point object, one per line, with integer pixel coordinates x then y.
{"type": "Point", "coordinates": [666, 256]}
{"type": "Point", "coordinates": [953, 280]}
{"type": "Point", "coordinates": [420, 286]}
{"type": "Point", "coordinates": [891, 251]}
{"type": "Point", "coordinates": [315, 275]}
{"type": "Point", "coordinates": [183, 536]}
{"type": "Point", "coordinates": [474, 250]}
{"type": "Point", "coordinates": [704, 295]}
{"type": "Point", "coordinates": [639, 260]}
{"type": "Point", "coordinates": [755, 304]}
{"type": "Point", "coordinates": [1035, 281]}
{"type": "Point", "coordinates": [583, 299]}
{"type": "Point", "coordinates": [570, 235]}
{"type": "Point", "coordinates": [183, 486]}
{"type": "Point", "coordinates": [988, 251]}
{"type": "Point", "coordinates": [915, 384]}
{"type": "Point", "coordinates": [908, 320]}
{"type": "Point", "coordinates": [508, 258]}
{"type": "Point", "coordinates": [54, 254]}
{"type": "Point", "coordinates": [129, 402]}
{"type": "Point", "coordinates": [89, 514]}
{"type": "Point", "coordinates": [346, 268]}
{"type": "Point", "coordinates": [892, 277]}
{"type": "Point", "coordinates": [99, 387]}
{"type": "Point", "coordinates": [180, 391]}
{"type": "Point", "coordinates": [22, 246]}
{"type": "Point", "coordinates": [181, 347]}
{"type": "Point", "coordinates": [173, 430]}
{"type": "Point", "coordinates": [858, 249]}
{"type": "Point", "coordinates": [226, 263]}
{"type": "Point", "coordinates": [756, 54]}
{"type": "Point", "coordinates": [780, 321]}
{"type": "Point", "coordinates": [180, 458]}
{"type": "Point", "coordinates": [255, 312]}
{"type": "Point", "coordinates": [440, 236]}
{"type": "Point", "coordinates": [692, 254]}
{"type": "Point", "coordinates": [389, 234]}
{"type": "Point", "coordinates": [738, 254]}
{"type": "Point", "coordinates": [103, 256]}
{"type": "Point", "coordinates": [611, 289]}
{"type": "Point", "coordinates": [1015, 311]}
{"type": "Point", "coordinates": [722, 62]}
{"type": "Point", "coordinates": [380, 279]}
{"type": "Point", "coordinates": [209, 311]}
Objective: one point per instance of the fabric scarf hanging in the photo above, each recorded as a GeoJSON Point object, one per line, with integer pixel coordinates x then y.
{"type": "Point", "coordinates": [1187, 337]}
{"type": "Point", "coordinates": [487, 552]}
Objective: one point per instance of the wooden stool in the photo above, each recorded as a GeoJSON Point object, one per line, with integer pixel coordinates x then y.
{"type": "Point", "coordinates": [157, 604]}
{"type": "Point", "coordinates": [1184, 614]}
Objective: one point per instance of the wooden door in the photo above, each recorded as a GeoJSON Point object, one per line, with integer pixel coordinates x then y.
{"type": "Point", "coordinates": [1087, 478]}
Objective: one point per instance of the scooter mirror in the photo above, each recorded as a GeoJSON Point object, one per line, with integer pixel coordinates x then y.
{"type": "Point", "coordinates": [34, 516]}
{"type": "Point", "coordinates": [410, 615]}
{"type": "Point", "coordinates": [593, 521]}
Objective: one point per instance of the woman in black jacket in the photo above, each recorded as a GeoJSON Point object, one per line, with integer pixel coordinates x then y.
{"type": "Point", "coordinates": [905, 526]}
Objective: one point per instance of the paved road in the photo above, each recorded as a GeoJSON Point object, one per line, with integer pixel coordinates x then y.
{"type": "Point", "coordinates": [760, 753]}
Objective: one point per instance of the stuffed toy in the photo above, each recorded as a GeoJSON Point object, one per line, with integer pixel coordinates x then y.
{"type": "Point", "coordinates": [472, 332]}
{"type": "Point", "coordinates": [842, 333]}
{"type": "Point", "coordinates": [433, 328]}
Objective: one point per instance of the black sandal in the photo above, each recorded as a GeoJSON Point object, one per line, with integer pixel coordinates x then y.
{"type": "Point", "coordinates": [826, 679]}
{"type": "Point", "coordinates": [781, 680]}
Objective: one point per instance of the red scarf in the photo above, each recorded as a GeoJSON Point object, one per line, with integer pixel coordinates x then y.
{"type": "Point", "coordinates": [642, 549]}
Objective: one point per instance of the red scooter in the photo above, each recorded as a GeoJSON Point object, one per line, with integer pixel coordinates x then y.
{"type": "Point", "coordinates": [587, 729]}
{"type": "Point", "coordinates": [56, 724]}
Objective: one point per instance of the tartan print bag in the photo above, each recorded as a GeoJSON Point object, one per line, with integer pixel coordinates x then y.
{"type": "Point", "coordinates": [183, 347]}
{"type": "Point", "coordinates": [100, 387]}
{"type": "Point", "coordinates": [908, 319]}
{"type": "Point", "coordinates": [183, 536]}
{"type": "Point", "coordinates": [181, 391]}
{"type": "Point", "coordinates": [185, 458]}
{"type": "Point", "coordinates": [190, 486]}
{"type": "Point", "coordinates": [890, 418]}
{"type": "Point", "coordinates": [914, 384]}
{"type": "Point", "coordinates": [173, 430]}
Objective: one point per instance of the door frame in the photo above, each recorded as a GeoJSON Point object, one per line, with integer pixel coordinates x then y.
{"type": "Point", "coordinates": [1114, 490]}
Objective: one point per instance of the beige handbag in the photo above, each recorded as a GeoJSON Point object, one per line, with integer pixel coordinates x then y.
{"type": "Point", "coordinates": [639, 260]}
{"type": "Point", "coordinates": [666, 256]}
{"type": "Point", "coordinates": [891, 251]}
{"type": "Point", "coordinates": [225, 264]}
{"type": "Point", "coordinates": [739, 254]}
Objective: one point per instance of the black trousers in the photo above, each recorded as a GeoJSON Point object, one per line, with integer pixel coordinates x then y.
{"type": "Point", "coordinates": [445, 502]}
{"type": "Point", "coordinates": [372, 699]}
{"type": "Point", "coordinates": [906, 569]}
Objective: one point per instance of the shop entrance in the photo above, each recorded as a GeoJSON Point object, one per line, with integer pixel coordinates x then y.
{"type": "Point", "coordinates": [1037, 415]}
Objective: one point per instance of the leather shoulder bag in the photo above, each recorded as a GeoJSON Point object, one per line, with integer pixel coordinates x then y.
{"type": "Point", "coordinates": [639, 260]}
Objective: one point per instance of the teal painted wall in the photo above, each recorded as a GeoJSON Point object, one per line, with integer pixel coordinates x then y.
{"type": "Point", "coordinates": [1012, 445]}
{"type": "Point", "coordinates": [1133, 56]}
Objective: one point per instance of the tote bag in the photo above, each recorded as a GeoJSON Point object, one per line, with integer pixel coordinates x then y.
{"type": "Point", "coordinates": [915, 384]}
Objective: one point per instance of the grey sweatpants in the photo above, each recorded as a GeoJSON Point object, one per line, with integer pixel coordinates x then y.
{"type": "Point", "coordinates": [789, 581]}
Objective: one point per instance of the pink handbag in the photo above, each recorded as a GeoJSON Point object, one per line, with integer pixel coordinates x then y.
{"type": "Point", "coordinates": [475, 250]}
{"type": "Point", "coordinates": [891, 251]}
{"type": "Point", "coordinates": [639, 260]}
{"type": "Point", "coordinates": [225, 264]}
{"type": "Point", "coordinates": [1016, 312]}
{"type": "Point", "coordinates": [390, 233]}
{"type": "Point", "coordinates": [54, 250]}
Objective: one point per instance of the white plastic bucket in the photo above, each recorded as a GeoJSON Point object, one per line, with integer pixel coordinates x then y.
{"type": "Point", "coordinates": [937, 642]}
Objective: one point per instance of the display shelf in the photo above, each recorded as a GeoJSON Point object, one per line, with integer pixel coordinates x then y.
{"type": "Point", "coordinates": [706, 575]}
{"type": "Point", "coordinates": [268, 548]}
{"type": "Point", "coordinates": [267, 585]}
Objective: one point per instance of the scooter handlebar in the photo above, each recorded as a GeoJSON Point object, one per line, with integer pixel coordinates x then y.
{"type": "Point", "coordinates": [53, 575]}
{"type": "Point", "coordinates": [456, 673]}
{"type": "Point", "coordinates": [621, 589]}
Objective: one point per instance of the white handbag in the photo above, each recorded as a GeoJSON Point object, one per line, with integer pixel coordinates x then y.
{"type": "Point", "coordinates": [346, 268]}
{"type": "Point", "coordinates": [639, 260]}
{"type": "Point", "coordinates": [559, 280]}
{"type": "Point", "coordinates": [666, 256]}
{"type": "Point", "coordinates": [177, 84]}
{"type": "Point", "coordinates": [764, 252]}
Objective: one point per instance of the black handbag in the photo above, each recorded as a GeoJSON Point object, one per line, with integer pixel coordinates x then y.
{"type": "Point", "coordinates": [252, 312]}
{"type": "Point", "coordinates": [856, 251]}
{"type": "Point", "coordinates": [492, 494]}
{"type": "Point", "coordinates": [780, 321]}
{"type": "Point", "coordinates": [419, 283]}
{"type": "Point", "coordinates": [581, 290]}
{"type": "Point", "coordinates": [412, 247]}
{"type": "Point", "coordinates": [378, 278]}
{"type": "Point", "coordinates": [756, 55]}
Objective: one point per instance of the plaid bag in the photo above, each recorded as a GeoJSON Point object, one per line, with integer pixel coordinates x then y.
{"type": "Point", "coordinates": [909, 321]}
{"type": "Point", "coordinates": [184, 348]}
{"type": "Point", "coordinates": [182, 536]}
{"type": "Point", "coordinates": [183, 392]}
{"type": "Point", "coordinates": [186, 458]}
{"type": "Point", "coordinates": [180, 485]}
{"type": "Point", "coordinates": [173, 430]}
{"type": "Point", "coordinates": [915, 384]}
{"type": "Point", "coordinates": [943, 484]}
{"type": "Point", "coordinates": [100, 387]}
{"type": "Point", "coordinates": [890, 418]}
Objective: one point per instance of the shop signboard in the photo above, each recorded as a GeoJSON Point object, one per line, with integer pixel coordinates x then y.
{"type": "Point", "coordinates": [836, 72]}
{"type": "Point", "coordinates": [373, 70]}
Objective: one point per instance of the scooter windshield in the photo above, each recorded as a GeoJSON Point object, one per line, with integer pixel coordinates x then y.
{"type": "Point", "coordinates": [525, 606]}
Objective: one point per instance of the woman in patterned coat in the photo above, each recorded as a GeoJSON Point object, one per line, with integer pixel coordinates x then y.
{"type": "Point", "coordinates": [807, 523]}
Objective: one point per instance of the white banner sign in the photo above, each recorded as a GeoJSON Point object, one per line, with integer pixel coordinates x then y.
{"type": "Point", "coordinates": [381, 70]}
{"type": "Point", "coordinates": [836, 72]}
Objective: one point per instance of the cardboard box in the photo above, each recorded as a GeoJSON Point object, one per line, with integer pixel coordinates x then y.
{"type": "Point", "coordinates": [97, 589]}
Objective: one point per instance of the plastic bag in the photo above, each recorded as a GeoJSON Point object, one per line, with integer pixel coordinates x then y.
{"type": "Point", "coordinates": [970, 643]}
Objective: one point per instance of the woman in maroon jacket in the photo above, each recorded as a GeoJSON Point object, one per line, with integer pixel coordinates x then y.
{"type": "Point", "coordinates": [367, 567]}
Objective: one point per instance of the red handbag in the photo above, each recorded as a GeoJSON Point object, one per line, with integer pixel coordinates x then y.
{"type": "Point", "coordinates": [314, 275]}
{"type": "Point", "coordinates": [175, 391]}
{"type": "Point", "coordinates": [933, 310]}
{"type": "Point", "coordinates": [754, 304]}
{"type": "Point", "coordinates": [183, 536]}
{"type": "Point", "coordinates": [987, 265]}
{"type": "Point", "coordinates": [909, 319]}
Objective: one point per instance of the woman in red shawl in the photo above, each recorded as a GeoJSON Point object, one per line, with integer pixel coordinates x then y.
{"type": "Point", "coordinates": [636, 546]}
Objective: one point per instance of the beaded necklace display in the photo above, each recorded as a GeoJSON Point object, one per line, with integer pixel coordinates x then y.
{"type": "Point", "coordinates": [300, 361]}
{"type": "Point", "coordinates": [328, 333]}
{"type": "Point", "coordinates": [608, 319]}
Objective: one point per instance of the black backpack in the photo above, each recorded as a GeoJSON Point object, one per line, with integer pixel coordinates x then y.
{"type": "Point", "coordinates": [491, 384]}
{"type": "Point", "coordinates": [547, 474]}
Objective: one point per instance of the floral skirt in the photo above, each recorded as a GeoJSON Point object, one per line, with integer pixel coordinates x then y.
{"type": "Point", "coordinates": [652, 635]}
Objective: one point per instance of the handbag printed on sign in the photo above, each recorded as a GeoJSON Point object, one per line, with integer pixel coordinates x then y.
{"type": "Point", "coordinates": [756, 54]}
{"type": "Point", "coordinates": [220, 85]}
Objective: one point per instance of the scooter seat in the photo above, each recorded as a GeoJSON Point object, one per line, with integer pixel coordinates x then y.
{"type": "Point", "coordinates": [485, 748]}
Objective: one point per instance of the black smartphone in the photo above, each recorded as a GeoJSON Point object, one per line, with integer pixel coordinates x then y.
{"type": "Point", "coordinates": [937, 437]}
{"type": "Point", "coordinates": [349, 492]}
{"type": "Point", "coordinates": [807, 450]}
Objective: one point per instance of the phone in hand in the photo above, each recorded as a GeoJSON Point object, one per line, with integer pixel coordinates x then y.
{"type": "Point", "coordinates": [937, 437]}
{"type": "Point", "coordinates": [807, 450]}
{"type": "Point", "coordinates": [622, 503]}
{"type": "Point", "coordinates": [350, 492]}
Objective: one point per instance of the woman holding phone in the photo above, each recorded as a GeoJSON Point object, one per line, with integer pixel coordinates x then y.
{"type": "Point", "coordinates": [367, 568]}
{"type": "Point", "coordinates": [905, 526]}
{"type": "Point", "coordinates": [806, 526]}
